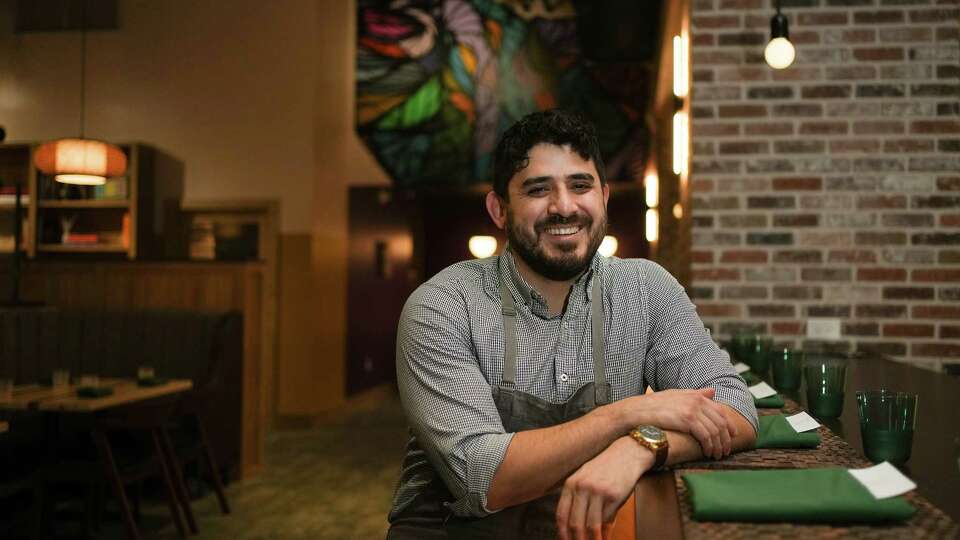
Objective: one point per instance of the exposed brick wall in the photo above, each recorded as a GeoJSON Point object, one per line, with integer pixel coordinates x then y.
{"type": "Point", "coordinates": [832, 188]}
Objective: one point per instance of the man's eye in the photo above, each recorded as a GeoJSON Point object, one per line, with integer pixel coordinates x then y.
{"type": "Point", "coordinates": [581, 186]}
{"type": "Point", "coordinates": [536, 191]}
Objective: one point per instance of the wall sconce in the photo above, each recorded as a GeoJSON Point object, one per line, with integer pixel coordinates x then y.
{"type": "Point", "coordinates": [681, 66]}
{"type": "Point", "coordinates": [608, 246]}
{"type": "Point", "coordinates": [681, 143]}
{"type": "Point", "coordinates": [678, 211]}
{"type": "Point", "coordinates": [651, 189]}
{"type": "Point", "coordinates": [652, 227]}
{"type": "Point", "coordinates": [779, 52]}
{"type": "Point", "coordinates": [482, 247]}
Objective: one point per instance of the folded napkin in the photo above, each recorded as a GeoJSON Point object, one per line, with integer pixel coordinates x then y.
{"type": "Point", "coordinates": [751, 378]}
{"type": "Point", "coordinates": [153, 381]}
{"type": "Point", "coordinates": [776, 432]}
{"type": "Point", "coordinates": [771, 402]}
{"type": "Point", "coordinates": [794, 495]}
{"type": "Point", "coordinates": [94, 391]}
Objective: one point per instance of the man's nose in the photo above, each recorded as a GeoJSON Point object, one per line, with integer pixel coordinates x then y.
{"type": "Point", "coordinates": [562, 202]}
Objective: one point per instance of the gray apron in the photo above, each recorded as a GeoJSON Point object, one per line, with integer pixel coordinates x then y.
{"type": "Point", "coordinates": [427, 517]}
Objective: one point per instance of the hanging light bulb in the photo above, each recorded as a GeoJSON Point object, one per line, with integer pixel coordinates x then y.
{"type": "Point", "coordinates": [80, 160]}
{"type": "Point", "coordinates": [482, 247]}
{"type": "Point", "coordinates": [608, 246]}
{"type": "Point", "coordinates": [779, 53]}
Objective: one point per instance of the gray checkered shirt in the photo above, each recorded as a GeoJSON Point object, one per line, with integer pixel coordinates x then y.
{"type": "Point", "coordinates": [450, 354]}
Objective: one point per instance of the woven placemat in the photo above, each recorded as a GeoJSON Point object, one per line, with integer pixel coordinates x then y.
{"type": "Point", "coordinates": [928, 522]}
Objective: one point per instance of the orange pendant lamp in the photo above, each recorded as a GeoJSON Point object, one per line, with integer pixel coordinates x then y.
{"type": "Point", "coordinates": [80, 160]}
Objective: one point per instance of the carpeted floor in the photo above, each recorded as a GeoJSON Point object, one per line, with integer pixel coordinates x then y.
{"type": "Point", "coordinates": [334, 481]}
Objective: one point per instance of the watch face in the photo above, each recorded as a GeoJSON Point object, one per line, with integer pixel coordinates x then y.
{"type": "Point", "coordinates": [652, 433]}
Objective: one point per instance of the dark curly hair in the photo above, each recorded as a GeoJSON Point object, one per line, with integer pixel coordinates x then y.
{"type": "Point", "coordinates": [555, 126]}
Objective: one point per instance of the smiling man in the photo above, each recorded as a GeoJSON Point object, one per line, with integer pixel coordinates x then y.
{"type": "Point", "coordinates": [523, 375]}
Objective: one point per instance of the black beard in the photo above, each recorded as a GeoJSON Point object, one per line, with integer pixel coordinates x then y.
{"type": "Point", "coordinates": [565, 267]}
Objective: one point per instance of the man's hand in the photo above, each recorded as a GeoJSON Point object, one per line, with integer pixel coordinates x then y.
{"type": "Point", "coordinates": [694, 412]}
{"type": "Point", "coordinates": [592, 495]}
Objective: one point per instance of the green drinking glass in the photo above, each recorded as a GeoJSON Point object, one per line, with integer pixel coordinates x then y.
{"type": "Point", "coordinates": [826, 379]}
{"type": "Point", "coordinates": [786, 364]}
{"type": "Point", "coordinates": [742, 345]}
{"type": "Point", "coordinates": [887, 422]}
{"type": "Point", "coordinates": [759, 358]}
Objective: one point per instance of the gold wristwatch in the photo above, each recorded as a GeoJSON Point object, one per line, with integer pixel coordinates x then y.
{"type": "Point", "coordinates": [655, 440]}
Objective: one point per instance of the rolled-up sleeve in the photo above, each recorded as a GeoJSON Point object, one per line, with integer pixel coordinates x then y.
{"type": "Point", "coordinates": [680, 352]}
{"type": "Point", "coordinates": [447, 400]}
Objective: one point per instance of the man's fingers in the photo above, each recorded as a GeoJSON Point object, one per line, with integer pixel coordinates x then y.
{"type": "Point", "coordinates": [702, 434]}
{"type": "Point", "coordinates": [578, 515]}
{"type": "Point", "coordinates": [715, 416]}
{"type": "Point", "coordinates": [595, 518]}
{"type": "Point", "coordinates": [563, 513]}
{"type": "Point", "coordinates": [707, 392]}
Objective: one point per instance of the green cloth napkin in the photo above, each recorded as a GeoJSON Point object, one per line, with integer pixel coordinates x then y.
{"type": "Point", "coordinates": [776, 432]}
{"type": "Point", "coordinates": [94, 391]}
{"type": "Point", "coordinates": [750, 378]}
{"type": "Point", "coordinates": [772, 402]}
{"type": "Point", "coordinates": [789, 495]}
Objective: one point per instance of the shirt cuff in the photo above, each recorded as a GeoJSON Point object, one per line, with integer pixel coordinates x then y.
{"type": "Point", "coordinates": [484, 455]}
{"type": "Point", "coordinates": [740, 400]}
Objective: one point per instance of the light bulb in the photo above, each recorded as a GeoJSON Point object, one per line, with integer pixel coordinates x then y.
{"type": "Point", "coordinates": [608, 246]}
{"type": "Point", "coordinates": [779, 53]}
{"type": "Point", "coordinates": [482, 246]}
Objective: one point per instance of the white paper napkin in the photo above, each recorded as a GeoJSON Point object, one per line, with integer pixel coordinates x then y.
{"type": "Point", "coordinates": [884, 480]}
{"type": "Point", "coordinates": [802, 421]}
{"type": "Point", "coordinates": [762, 390]}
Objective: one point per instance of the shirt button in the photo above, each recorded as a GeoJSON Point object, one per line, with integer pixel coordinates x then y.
{"type": "Point", "coordinates": [564, 377]}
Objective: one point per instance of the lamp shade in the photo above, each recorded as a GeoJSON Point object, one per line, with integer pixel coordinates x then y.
{"type": "Point", "coordinates": [80, 161]}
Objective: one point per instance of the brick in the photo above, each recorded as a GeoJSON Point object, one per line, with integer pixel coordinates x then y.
{"type": "Point", "coordinates": [771, 128]}
{"type": "Point", "coordinates": [933, 15]}
{"type": "Point", "coordinates": [716, 21]}
{"type": "Point", "coordinates": [946, 33]}
{"type": "Point", "coordinates": [950, 220]}
{"type": "Point", "coordinates": [828, 311]}
{"type": "Point", "coordinates": [745, 147]}
{"type": "Point", "coordinates": [702, 222]}
{"type": "Point", "coordinates": [821, 18]}
{"type": "Point", "coordinates": [824, 238]}
{"type": "Point", "coordinates": [879, 54]}
{"type": "Point", "coordinates": [936, 201]}
{"type": "Point", "coordinates": [908, 330]}
{"type": "Point", "coordinates": [752, 221]}
{"type": "Point", "coordinates": [848, 219]}
{"type": "Point", "coordinates": [771, 202]}
{"type": "Point", "coordinates": [920, 183]}
{"type": "Point", "coordinates": [716, 203]}
{"type": "Point", "coordinates": [742, 111]}
{"type": "Point", "coordinates": [698, 256]}
{"type": "Point", "coordinates": [824, 128]}
{"type": "Point", "coordinates": [701, 293]}
{"type": "Point", "coordinates": [935, 239]}
{"type": "Point", "coordinates": [935, 275]}
{"type": "Point", "coordinates": [844, 36]}
{"type": "Point", "coordinates": [908, 293]}
{"type": "Point", "coordinates": [885, 348]}
{"type": "Point", "coordinates": [701, 148]}
{"type": "Point", "coordinates": [770, 92]}
{"type": "Point", "coordinates": [744, 256]}
{"type": "Point", "coordinates": [907, 71]}
{"type": "Point", "coordinates": [797, 292]}
{"type": "Point", "coordinates": [873, 238]}
{"type": "Point", "coordinates": [768, 274]}
{"type": "Point", "coordinates": [798, 109]}
{"type": "Point", "coordinates": [872, 202]}
{"type": "Point", "coordinates": [706, 57]}
{"type": "Point", "coordinates": [933, 90]}
{"type": "Point", "coordinates": [902, 146]}
{"type": "Point", "coordinates": [844, 146]}
{"type": "Point", "coordinates": [795, 73]}
{"type": "Point", "coordinates": [852, 293]}
{"type": "Point", "coordinates": [938, 350]}
{"type": "Point", "coordinates": [934, 53]}
{"type": "Point", "coordinates": [832, 202]}
{"type": "Point", "coordinates": [702, 39]}
{"type": "Point", "coordinates": [876, 127]}
{"type": "Point", "coordinates": [719, 310]}
{"type": "Point", "coordinates": [809, 37]}
{"type": "Point", "coordinates": [881, 90]}
{"type": "Point", "coordinates": [769, 239]}
{"type": "Point", "coordinates": [796, 220]}
{"type": "Point", "coordinates": [907, 256]}
{"type": "Point", "coordinates": [948, 71]}
{"type": "Point", "coordinates": [935, 312]}
{"type": "Point", "coordinates": [906, 34]}
{"type": "Point", "coordinates": [850, 73]}
{"type": "Point", "coordinates": [878, 165]}
{"type": "Point", "coordinates": [853, 108]}
{"type": "Point", "coordinates": [703, 166]}
{"type": "Point", "coordinates": [743, 73]}
{"type": "Point", "coordinates": [740, 185]}
{"type": "Point", "coordinates": [948, 145]}
{"type": "Point", "coordinates": [716, 274]}
{"type": "Point", "coordinates": [907, 220]}
{"type": "Point", "coordinates": [714, 92]}
{"type": "Point", "coordinates": [948, 294]}
{"type": "Point", "coordinates": [786, 328]}
{"type": "Point", "coordinates": [703, 238]}
{"type": "Point", "coordinates": [826, 91]}
{"type": "Point", "coordinates": [881, 274]}
{"type": "Point", "coordinates": [770, 166]}
{"type": "Point", "coordinates": [741, 39]}
{"type": "Point", "coordinates": [902, 109]}
{"type": "Point", "coordinates": [877, 17]}
{"type": "Point", "coordinates": [862, 329]}
{"type": "Point", "coordinates": [742, 4]}
{"type": "Point", "coordinates": [881, 311]}
{"type": "Point", "coordinates": [826, 274]}
{"type": "Point", "coordinates": [853, 256]}
{"type": "Point", "coordinates": [799, 147]}
{"type": "Point", "coordinates": [852, 183]}
{"type": "Point", "coordinates": [746, 292]}
{"type": "Point", "coordinates": [798, 256]}
{"type": "Point", "coordinates": [950, 332]}
{"type": "Point", "coordinates": [715, 130]}
{"type": "Point", "coordinates": [924, 127]}
{"type": "Point", "coordinates": [940, 163]}
{"type": "Point", "coordinates": [948, 257]}
{"type": "Point", "coordinates": [771, 310]}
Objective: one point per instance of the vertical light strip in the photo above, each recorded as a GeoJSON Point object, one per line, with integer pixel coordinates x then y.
{"type": "Point", "coordinates": [681, 137]}
{"type": "Point", "coordinates": [651, 188]}
{"type": "Point", "coordinates": [652, 227]}
{"type": "Point", "coordinates": [681, 66]}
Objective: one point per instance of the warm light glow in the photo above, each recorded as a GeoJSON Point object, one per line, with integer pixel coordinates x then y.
{"type": "Point", "coordinates": [779, 53]}
{"type": "Point", "coordinates": [80, 161]}
{"type": "Point", "coordinates": [678, 210]}
{"type": "Point", "coordinates": [681, 66]}
{"type": "Point", "coordinates": [651, 187]}
{"type": "Point", "coordinates": [482, 246]}
{"type": "Point", "coordinates": [609, 246]}
{"type": "Point", "coordinates": [652, 227]}
{"type": "Point", "coordinates": [681, 136]}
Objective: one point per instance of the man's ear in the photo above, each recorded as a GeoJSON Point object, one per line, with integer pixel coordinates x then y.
{"type": "Point", "coordinates": [606, 194]}
{"type": "Point", "coordinates": [497, 209]}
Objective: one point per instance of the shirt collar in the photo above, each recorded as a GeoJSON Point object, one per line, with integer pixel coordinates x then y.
{"type": "Point", "coordinates": [508, 268]}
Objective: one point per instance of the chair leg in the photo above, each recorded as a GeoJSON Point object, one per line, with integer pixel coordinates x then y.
{"type": "Point", "coordinates": [212, 466]}
{"type": "Point", "coordinates": [168, 483]}
{"type": "Point", "coordinates": [181, 486]}
{"type": "Point", "coordinates": [113, 476]}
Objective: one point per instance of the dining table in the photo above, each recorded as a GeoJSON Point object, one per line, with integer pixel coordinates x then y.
{"type": "Point", "coordinates": [660, 506]}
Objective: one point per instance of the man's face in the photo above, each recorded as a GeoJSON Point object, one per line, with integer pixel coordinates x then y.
{"type": "Point", "coordinates": [556, 215]}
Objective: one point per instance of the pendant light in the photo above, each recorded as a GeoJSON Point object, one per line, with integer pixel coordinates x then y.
{"type": "Point", "coordinates": [779, 53]}
{"type": "Point", "coordinates": [81, 160]}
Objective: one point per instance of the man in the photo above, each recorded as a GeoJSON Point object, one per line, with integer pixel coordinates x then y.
{"type": "Point", "coordinates": [523, 375]}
